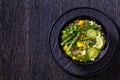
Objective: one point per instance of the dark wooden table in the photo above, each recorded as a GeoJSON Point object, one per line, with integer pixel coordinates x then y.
{"type": "Point", "coordinates": [24, 27]}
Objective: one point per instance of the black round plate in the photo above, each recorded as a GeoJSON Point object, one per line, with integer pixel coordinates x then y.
{"type": "Point", "coordinates": [112, 40]}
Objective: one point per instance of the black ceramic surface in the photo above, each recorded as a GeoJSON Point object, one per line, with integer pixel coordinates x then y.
{"type": "Point", "coordinates": [108, 54]}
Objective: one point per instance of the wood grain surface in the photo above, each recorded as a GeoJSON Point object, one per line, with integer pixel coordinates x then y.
{"type": "Point", "coordinates": [24, 27]}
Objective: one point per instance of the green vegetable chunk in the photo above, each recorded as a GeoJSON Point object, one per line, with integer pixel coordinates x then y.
{"type": "Point", "coordinates": [91, 33]}
{"type": "Point", "coordinates": [99, 42]}
{"type": "Point", "coordinates": [92, 53]}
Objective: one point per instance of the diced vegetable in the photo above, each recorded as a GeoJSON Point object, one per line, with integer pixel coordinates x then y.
{"type": "Point", "coordinates": [80, 44]}
{"type": "Point", "coordinates": [69, 53]}
{"type": "Point", "coordinates": [76, 52]}
{"type": "Point", "coordinates": [99, 33]}
{"type": "Point", "coordinates": [65, 47]}
{"type": "Point", "coordinates": [74, 58]}
{"type": "Point", "coordinates": [87, 24]}
{"type": "Point", "coordinates": [80, 58]}
{"type": "Point", "coordinates": [99, 42]}
{"type": "Point", "coordinates": [81, 22]}
{"type": "Point", "coordinates": [92, 23]}
{"type": "Point", "coordinates": [91, 33]}
{"type": "Point", "coordinates": [92, 53]}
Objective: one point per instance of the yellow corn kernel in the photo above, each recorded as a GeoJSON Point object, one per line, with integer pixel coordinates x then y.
{"type": "Point", "coordinates": [73, 58]}
{"type": "Point", "coordinates": [80, 44]}
{"type": "Point", "coordinates": [65, 47]}
{"type": "Point", "coordinates": [81, 22]}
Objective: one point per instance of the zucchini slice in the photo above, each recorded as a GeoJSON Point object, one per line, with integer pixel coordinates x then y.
{"type": "Point", "coordinates": [92, 53]}
{"type": "Point", "coordinates": [91, 33]}
{"type": "Point", "coordinates": [99, 42]}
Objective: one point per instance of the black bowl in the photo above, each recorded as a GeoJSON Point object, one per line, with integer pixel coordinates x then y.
{"type": "Point", "coordinates": [85, 17]}
{"type": "Point", "coordinates": [107, 55]}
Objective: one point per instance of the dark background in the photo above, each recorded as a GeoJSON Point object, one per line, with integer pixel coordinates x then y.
{"type": "Point", "coordinates": [24, 27]}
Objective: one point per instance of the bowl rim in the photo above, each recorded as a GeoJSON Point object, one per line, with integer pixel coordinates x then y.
{"type": "Point", "coordinates": [85, 17]}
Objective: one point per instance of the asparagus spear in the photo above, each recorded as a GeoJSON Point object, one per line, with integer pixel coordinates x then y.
{"type": "Point", "coordinates": [74, 40]}
{"type": "Point", "coordinates": [66, 40]}
{"type": "Point", "coordinates": [92, 27]}
{"type": "Point", "coordinates": [74, 28]}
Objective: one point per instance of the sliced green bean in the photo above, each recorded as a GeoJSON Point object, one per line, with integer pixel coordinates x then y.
{"type": "Point", "coordinates": [66, 40]}
{"type": "Point", "coordinates": [74, 40]}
